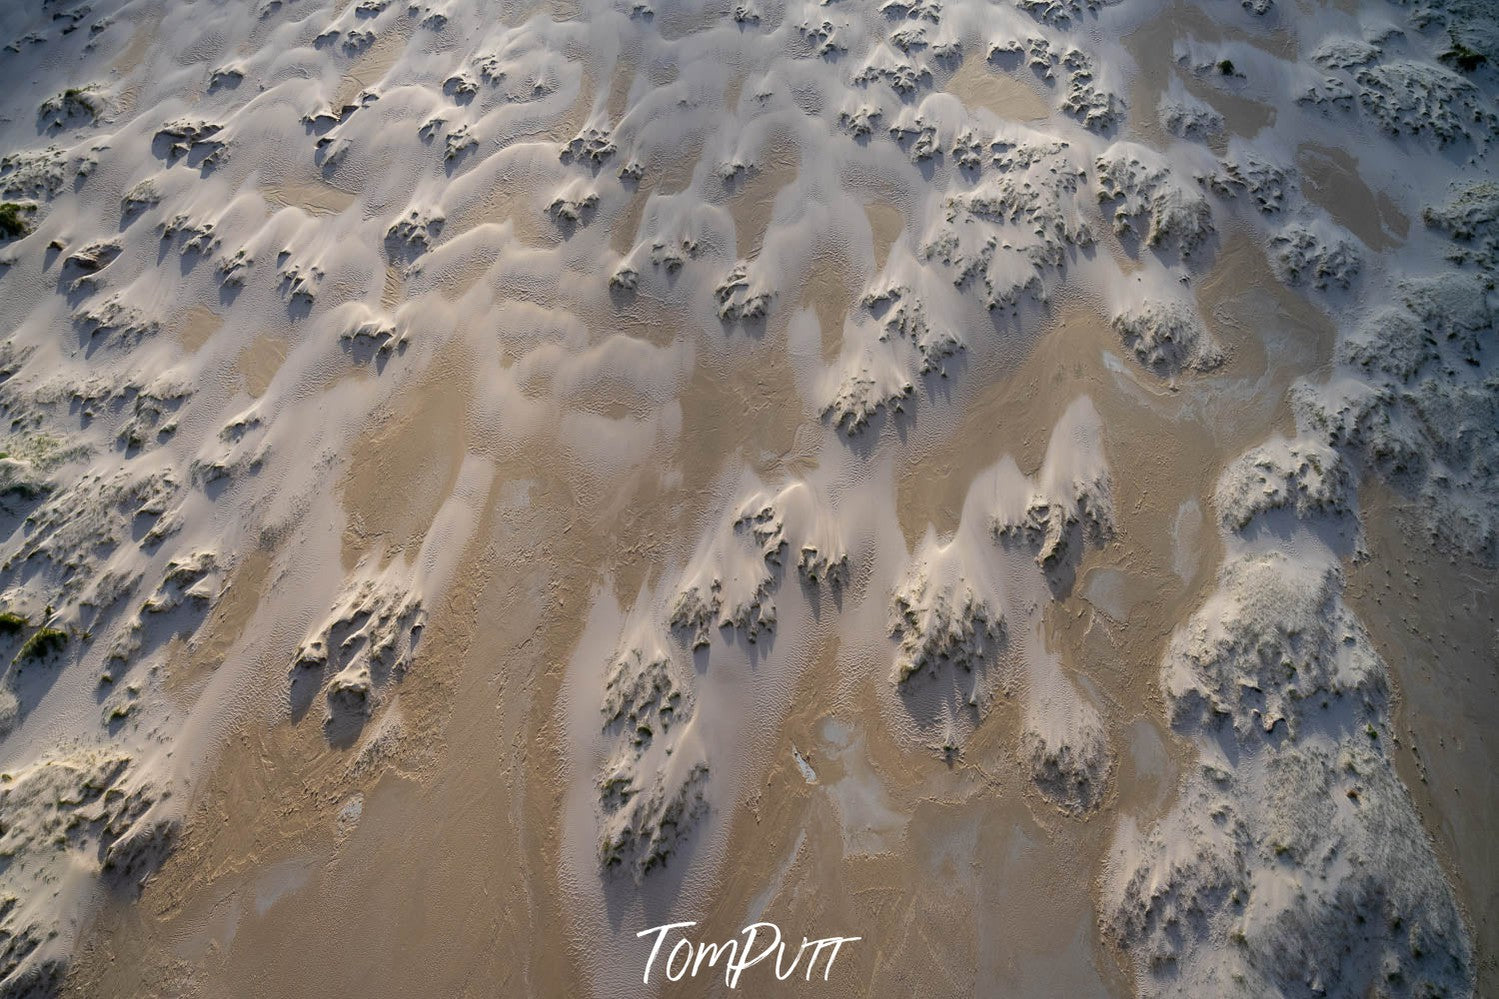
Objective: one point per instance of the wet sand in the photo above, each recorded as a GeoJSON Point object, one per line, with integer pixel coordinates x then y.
{"type": "Point", "coordinates": [1432, 618]}
{"type": "Point", "coordinates": [1331, 179]}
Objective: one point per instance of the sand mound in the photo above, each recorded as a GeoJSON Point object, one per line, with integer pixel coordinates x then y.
{"type": "Point", "coordinates": [1305, 476]}
{"type": "Point", "coordinates": [938, 620]}
{"type": "Point", "coordinates": [69, 819]}
{"type": "Point", "coordinates": [366, 642]}
{"type": "Point", "coordinates": [1294, 860]}
{"type": "Point", "coordinates": [1168, 338]}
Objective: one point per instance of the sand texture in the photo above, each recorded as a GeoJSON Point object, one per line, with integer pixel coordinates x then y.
{"type": "Point", "coordinates": [1012, 481]}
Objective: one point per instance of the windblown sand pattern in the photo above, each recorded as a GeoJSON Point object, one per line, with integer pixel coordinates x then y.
{"type": "Point", "coordinates": [1012, 481]}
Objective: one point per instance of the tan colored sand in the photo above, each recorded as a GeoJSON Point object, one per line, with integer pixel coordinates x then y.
{"type": "Point", "coordinates": [141, 37]}
{"type": "Point", "coordinates": [1010, 96]}
{"type": "Point", "coordinates": [886, 223]}
{"type": "Point", "coordinates": [830, 292]}
{"type": "Point", "coordinates": [259, 361]}
{"type": "Point", "coordinates": [312, 195]}
{"type": "Point", "coordinates": [197, 326]}
{"type": "Point", "coordinates": [404, 466]}
{"type": "Point", "coordinates": [1432, 619]}
{"type": "Point", "coordinates": [370, 67]}
{"type": "Point", "coordinates": [188, 666]}
{"type": "Point", "coordinates": [1150, 43]}
{"type": "Point", "coordinates": [751, 200]}
{"type": "Point", "coordinates": [1330, 178]}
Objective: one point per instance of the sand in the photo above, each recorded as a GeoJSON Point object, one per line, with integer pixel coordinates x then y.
{"type": "Point", "coordinates": [485, 480]}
